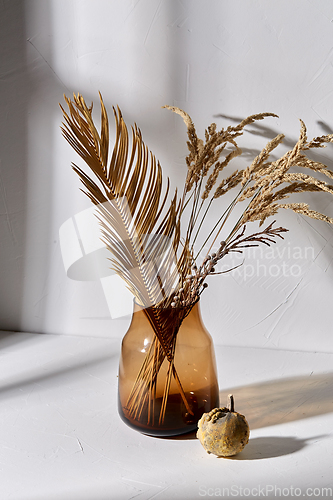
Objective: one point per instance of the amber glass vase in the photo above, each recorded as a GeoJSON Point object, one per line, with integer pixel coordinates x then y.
{"type": "Point", "coordinates": [164, 392]}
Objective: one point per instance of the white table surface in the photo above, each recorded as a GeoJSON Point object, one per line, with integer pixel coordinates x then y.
{"type": "Point", "coordinates": [61, 436]}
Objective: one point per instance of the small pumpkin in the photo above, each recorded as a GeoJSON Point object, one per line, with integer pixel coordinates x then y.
{"type": "Point", "coordinates": [223, 431]}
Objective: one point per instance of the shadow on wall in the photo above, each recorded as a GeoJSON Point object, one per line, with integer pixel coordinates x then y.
{"type": "Point", "coordinates": [321, 202]}
{"type": "Point", "coordinates": [15, 89]}
{"type": "Point", "coordinates": [26, 169]}
{"type": "Point", "coordinates": [41, 103]}
{"type": "Point", "coordinates": [268, 133]}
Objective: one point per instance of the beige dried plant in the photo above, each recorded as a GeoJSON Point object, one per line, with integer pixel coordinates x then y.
{"type": "Point", "coordinates": [142, 225]}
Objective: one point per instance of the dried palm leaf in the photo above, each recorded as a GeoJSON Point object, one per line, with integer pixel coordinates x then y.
{"type": "Point", "coordinates": [140, 230]}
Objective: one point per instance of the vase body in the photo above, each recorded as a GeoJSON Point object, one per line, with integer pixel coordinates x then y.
{"type": "Point", "coordinates": [181, 391]}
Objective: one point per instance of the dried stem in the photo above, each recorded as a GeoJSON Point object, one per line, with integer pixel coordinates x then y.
{"type": "Point", "coordinates": [142, 227]}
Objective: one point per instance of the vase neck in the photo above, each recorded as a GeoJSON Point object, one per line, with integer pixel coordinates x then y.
{"type": "Point", "coordinates": [195, 308]}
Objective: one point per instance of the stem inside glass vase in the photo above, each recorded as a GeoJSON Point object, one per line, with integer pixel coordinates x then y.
{"type": "Point", "coordinates": [166, 381]}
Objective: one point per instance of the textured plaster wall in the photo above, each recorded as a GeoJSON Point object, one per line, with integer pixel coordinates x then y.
{"type": "Point", "coordinates": [220, 61]}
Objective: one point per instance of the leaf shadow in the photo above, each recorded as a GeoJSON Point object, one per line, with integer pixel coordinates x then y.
{"type": "Point", "coordinates": [269, 132]}
{"type": "Point", "coordinates": [258, 129]}
{"type": "Point", "coordinates": [285, 400]}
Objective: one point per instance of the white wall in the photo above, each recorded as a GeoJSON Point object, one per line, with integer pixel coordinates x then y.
{"type": "Point", "coordinates": [209, 57]}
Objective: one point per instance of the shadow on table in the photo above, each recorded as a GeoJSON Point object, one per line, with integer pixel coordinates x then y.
{"type": "Point", "coordinates": [266, 446]}
{"type": "Point", "coordinates": [276, 402]}
{"type": "Point", "coordinates": [54, 367]}
{"type": "Point", "coordinates": [284, 400]}
{"type": "Point", "coordinates": [272, 446]}
{"type": "Point", "coordinates": [9, 339]}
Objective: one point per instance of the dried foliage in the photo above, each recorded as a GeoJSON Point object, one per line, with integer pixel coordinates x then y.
{"type": "Point", "coordinates": [142, 226]}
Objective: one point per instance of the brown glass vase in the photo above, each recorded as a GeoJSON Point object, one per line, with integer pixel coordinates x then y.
{"type": "Point", "coordinates": [166, 380]}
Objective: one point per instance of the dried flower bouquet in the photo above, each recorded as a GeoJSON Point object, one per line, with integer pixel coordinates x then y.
{"type": "Point", "coordinates": [142, 226]}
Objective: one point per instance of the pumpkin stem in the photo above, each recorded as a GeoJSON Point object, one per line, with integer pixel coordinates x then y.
{"type": "Point", "coordinates": [231, 403]}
